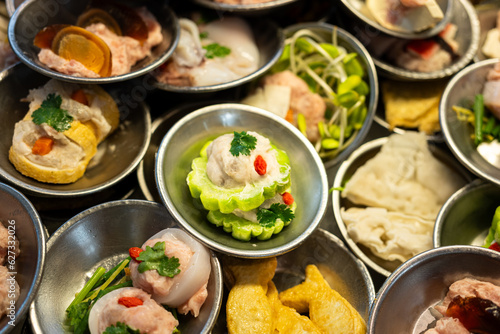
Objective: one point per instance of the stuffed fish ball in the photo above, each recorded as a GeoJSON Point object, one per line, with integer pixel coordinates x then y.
{"type": "Point", "coordinates": [186, 290]}
{"type": "Point", "coordinates": [131, 307]}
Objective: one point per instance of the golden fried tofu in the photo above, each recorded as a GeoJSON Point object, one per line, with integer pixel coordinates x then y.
{"type": "Point", "coordinates": [286, 319]}
{"type": "Point", "coordinates": [413, 104]}
{"type": "Point", "coordinates": [328, 310]}
{"type": "Point", "coordinates": [248, 309]}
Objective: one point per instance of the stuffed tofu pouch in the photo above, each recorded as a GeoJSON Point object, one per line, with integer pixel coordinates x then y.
{"type": "Point", "coordinates": [244, 183]}
{"type": "Point", "coordinates": [59, 135]}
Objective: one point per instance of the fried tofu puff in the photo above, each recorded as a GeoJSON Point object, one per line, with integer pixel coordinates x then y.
{"type": "Point", "coordinates": [248, 310]}
{"type": "Point", "coordinates": [327, 308]}
{"type": "Point", "coordinates": [287, 320]}
{"type": "Point", "coordinates": [51, 154]}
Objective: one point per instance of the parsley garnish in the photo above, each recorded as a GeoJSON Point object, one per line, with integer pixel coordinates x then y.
{"type": "Point", "coordinates": [155, 259]}
{"type": "Point", "coordinates": [120, 328]}
{"type": "Point", "coordinates": [50, 112]}
{"type": "Point", "coordinates": [242, 143]}
{"type": "Point", "coordinates": [268, 217]}
{"type": "Point", "coordinates": [216, 50]}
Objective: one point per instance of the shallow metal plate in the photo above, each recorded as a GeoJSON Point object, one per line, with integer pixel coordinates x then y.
{"type": "Point", "coordinates": [341, 269]}
{"type": "Point", "coordinates": [466, 217]}
{"type": "Point", "coordinates": [360, 11]}
{"type": "Point", "coordinates": [423, 281]}
{"type": "Point", "coordinates": [461, 89]}
{"type": "Point", "coordinates": [357, 159]}
{"type": "Point", "coordinates": [19, 216]}
{"type": "Point", "coordinates": [33, 15]}
{"type": "Point", "coordinates": [101, 236]}
{"type": "Point", "coordinates": [269, 40]}
{"type": "Point", "coordinates": [121, 152]}
{"type": "Point", "coordinates": [183, 143]}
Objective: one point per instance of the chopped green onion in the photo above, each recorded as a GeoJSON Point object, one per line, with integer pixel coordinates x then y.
{"type": "Point", "coordinates": [88, 286]}
{"type": "Point", "coordinates": [301, 123]}
{"type": "Point", "coordinates": [111, 278]}
{"type": "Point", "coordinates": [478, 116]}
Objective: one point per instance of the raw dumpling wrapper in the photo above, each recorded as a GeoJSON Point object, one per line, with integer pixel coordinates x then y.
{"type": "Point", "coordinates": [389, 235]}
{"type": "Point", "coordinates": [404, 177]}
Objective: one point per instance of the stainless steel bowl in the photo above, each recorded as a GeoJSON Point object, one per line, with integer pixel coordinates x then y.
{"type": "Point", "coordinates": [461, 89]}
{"type": "Point", "coordinates": [12, 5]}
{"type": "Point", "coordinates": [251, 8]}
{"type": "Point", "coordinates": [160, 126]}
{"type": "Point", "coordinates": [466, 217]}
{"type": "Point", "coordinates": [487, 13]}
{"type": "Point", "coordinates": [357, 159]}
{"type": "Point", "coordinates": [359, 10]}
{"type": "Point", "coordinates": [19, 216]}
{"type": "Point", "coordinates": [33, 15]}
{"type": "Point", "coordinates": [101, 236]}
{"type": "Point", "coordinates": [342, 270]}
{"type": "Point", "coordinates": [269, 40]}
{"type": "Point", "coordinates": [402, 304]}
{"type": "Point", "coordinates": [351, 44]}
{"type": "Point", "coordinates": [123, 150]}
{"type": "Point", "coordinates": [182, 144]}
{"type": "Point", "coordinates": [463, 15]}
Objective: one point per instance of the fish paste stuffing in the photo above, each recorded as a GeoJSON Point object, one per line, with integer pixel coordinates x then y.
{"type": "Point", "coordinates": [411, 184]}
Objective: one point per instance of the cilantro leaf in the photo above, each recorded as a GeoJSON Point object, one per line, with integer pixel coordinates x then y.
{"type": "Point", "coordinates": [216, 50]}
{"type": "Point", "coordinates": [242, 143]}
{"type": "Point", "coordinates": [120, 328]}
{"type": "Point", "coordinates": [154, 258]}
{"type": "Point", "coordinates": [50, 112]}
{"type": "Point", "coordinates": [268, 217]}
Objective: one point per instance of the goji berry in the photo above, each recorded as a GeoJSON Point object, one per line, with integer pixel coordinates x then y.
{"type": "Point", "coordinates": [129, 301]}
{"type": "Point", "coordinates": [260, 165]}
{"type": "Point", "coordinates": [134, 252]}
{"type": "Point", "coordinates": [287, 198]}
{"type": "Point", "coordinates": [495, 246]}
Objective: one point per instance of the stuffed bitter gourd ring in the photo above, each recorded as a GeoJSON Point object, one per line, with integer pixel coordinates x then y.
{"type": "Point", "coordinates": [226, 200]}
{"type": "Point", "coordinates": [243, 229]}
{"type": "Point", "coordinates": [57, 166]}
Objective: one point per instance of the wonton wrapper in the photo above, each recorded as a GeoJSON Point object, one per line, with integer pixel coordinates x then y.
{"type": "Point", "coordinates": [389, 235]}
{"type": "Point", "coordinates": [404, 177]}
{"type": "Point", "coordinates": [413, 104]}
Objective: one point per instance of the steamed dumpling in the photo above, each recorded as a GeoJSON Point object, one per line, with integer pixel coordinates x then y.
{"type": "Point", "coordinates": [186, 291]}
{"type": "Point", "coordinates": [150, 317]}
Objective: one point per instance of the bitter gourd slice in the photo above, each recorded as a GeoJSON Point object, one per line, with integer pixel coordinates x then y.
{"type": "Point", "coordinates": [226, 200]}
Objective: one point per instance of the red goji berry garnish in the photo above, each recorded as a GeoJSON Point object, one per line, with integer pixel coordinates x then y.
{"type": "Point", "coordinates": [134, 252]}
{"type": "Point", "coordinates": [260, 165]}
{"type": "Point", "coordinates": [287, 198]}
{"type": "Point", "coordinates": [495, 246]}
{"type": "Point", "coordinates": [129, 301]}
